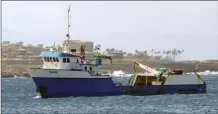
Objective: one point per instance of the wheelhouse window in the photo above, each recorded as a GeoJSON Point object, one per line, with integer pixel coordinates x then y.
{"type": "Point", "coordinates": [57, 60]}
{"type": "Point", "coordinates": [46, 59]}
{"type": "Point", "coordinates": [77, 61]}
{"type": "Point", "coordinates": [68, 60]}
{"type": "Point", "coordinates": [54, 59]}
{"type": "Point", "coordinates": [51, 59]}
{"type": "Point", "coordinates": [85, 68]}
{"type": "Point", "coordinates": [90, 68]}
{"type": "Point", "coordinates": [64, 60]}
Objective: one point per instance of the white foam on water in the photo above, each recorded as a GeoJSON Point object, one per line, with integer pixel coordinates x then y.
{"type": "Point", "coordinates": [37, 97]}
{"type": "Point", "coordinates": [120, 73]}
{"type": "Point", "coordinates": [19, 77]}
{"type": "Point", "coordinates": [207, 72]}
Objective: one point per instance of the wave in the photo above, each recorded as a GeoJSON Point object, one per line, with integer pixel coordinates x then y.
{"type": "Point", "coordinates": [37, 97]}
{"type": "Point", "coordinates": [207, 72]}
{"type": "Point", "coordinates": [120, 73]}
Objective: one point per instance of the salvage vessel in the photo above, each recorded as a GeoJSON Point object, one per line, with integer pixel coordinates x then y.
{"type": "Point", "coordinates": [65, 73]}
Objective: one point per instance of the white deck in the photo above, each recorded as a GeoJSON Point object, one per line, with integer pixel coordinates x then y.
{"type": "Point", "coordinates": [183, 80]}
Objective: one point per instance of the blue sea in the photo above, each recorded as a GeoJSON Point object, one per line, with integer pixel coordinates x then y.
{"type": "Point", "coordinates": [19, 96]}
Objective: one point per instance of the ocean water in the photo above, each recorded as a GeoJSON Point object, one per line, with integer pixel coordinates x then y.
{"type": "Point", "coordinates": [19, 96]}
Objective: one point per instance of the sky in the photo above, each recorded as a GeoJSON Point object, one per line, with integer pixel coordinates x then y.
{"type": "Point", "coordinates": [126, 25]}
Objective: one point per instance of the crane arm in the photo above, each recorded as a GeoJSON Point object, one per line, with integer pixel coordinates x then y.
{"type": "Point", "coordinates": [153, 71]}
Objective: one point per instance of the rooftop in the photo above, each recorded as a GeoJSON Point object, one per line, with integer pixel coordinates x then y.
{"type": "Point", "coordinates": [57, 54]}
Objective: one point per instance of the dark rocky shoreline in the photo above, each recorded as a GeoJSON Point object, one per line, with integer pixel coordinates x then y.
{"type": "Point", "coordinates": [11, 75]}
{"type": "Point", "coordinates": [188, 66]}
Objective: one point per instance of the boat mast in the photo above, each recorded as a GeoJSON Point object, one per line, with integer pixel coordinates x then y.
{"type": "Point", "coordinates": [68, 25]}
{"type": "Point", "coordinates": [66, 43]}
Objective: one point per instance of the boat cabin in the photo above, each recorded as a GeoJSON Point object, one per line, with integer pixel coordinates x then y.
{"type": "Point", "coordinates": [60, 60]}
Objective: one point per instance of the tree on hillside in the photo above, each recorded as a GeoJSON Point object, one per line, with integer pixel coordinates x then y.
{"type": "Point", "coordinates": [145, 52]}
{"type": "Point", "coordinates": [159, 53]}
{"type": "Point", "coordinates": [152, 52]}
{"type": "Point", "coordinates": [174, 54]}
{"type": "Point", "coordinates": [129, 54]}
{"type": "Point", "coordinates": [136, 52]}
{"type": "Point", "coordinates": [168, 52]}
{"type": "Point", "coordinates": [163, 53]}
{"type": "Point", "coordinates": [180, 52]}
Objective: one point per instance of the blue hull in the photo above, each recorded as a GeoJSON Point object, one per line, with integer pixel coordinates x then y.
{"type": "Point", "coordinates": [63, 87]}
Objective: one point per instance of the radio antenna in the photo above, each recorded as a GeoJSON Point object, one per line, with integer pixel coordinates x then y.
{"type": "Point", "coordinates": [68, 25]}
